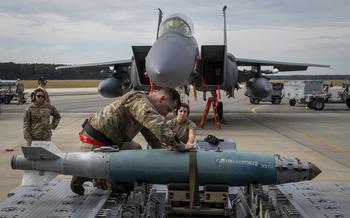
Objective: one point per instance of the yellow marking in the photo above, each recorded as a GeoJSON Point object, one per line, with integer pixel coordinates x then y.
{"type": "Point", "coordinates": [313, 137]}
{"type": "Point", "coordinates": [255, 108]}
{"type": "Point", "coordinates": [340, 148]}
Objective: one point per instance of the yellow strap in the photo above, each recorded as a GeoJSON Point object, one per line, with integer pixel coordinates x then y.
{"type": "Point", "coordinates": [193, 179]}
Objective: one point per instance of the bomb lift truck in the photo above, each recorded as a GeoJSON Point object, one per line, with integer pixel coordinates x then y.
{"type": "Point", "coordinates": [330, 95]}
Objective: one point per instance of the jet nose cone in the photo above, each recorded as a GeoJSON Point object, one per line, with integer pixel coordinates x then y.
{"type": "Point", "coordinates": [313, 170]}
{"type": "Point", "coordinates": [170, 61]}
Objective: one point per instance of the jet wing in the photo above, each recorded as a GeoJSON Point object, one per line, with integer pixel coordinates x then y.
{"type": "Point", "coordinates": [119, 65]}
{"type": "Point", "coordinates": [245, 75]}
{"type": "Point", "coordinates": [281, 66]}
{"type": "Point", "coordinates": [310, 77]}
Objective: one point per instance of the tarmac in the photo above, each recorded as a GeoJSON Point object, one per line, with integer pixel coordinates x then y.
{"type": "Point", "coordinates": [321, 137]}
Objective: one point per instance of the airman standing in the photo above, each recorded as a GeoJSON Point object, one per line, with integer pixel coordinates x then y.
{"type": "Point", "coordinates": [19, 91]}
{"type": "Point", "coordinates": [36, 119]}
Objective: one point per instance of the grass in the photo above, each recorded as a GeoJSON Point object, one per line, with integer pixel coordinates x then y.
{"type": "Point", "coordinates": [338, 82]}
{"type": "Point", "coordinates": [62, 83]}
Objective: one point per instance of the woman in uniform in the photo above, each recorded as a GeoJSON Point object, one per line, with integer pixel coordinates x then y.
{"type": "Point", "coordinates": [184, 128]}
{"type": "Point", "coordinates": [36, 119]}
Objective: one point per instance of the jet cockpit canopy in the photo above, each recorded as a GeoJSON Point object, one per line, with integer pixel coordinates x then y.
{"type": "Point", "coordinates": [178, 23]}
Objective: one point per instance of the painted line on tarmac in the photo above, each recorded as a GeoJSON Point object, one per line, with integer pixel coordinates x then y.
{"type": "Point", "coordinates": [253, 110]}
{"type": "Point", "coordinates": [313, 137]}
{"type": "Point", "coordinates": [340, 148]}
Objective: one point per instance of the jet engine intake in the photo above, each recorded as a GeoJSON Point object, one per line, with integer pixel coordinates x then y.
{"type": "Point", "coordinates": [259, 87]}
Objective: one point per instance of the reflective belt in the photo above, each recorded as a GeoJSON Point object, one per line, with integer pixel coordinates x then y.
{"type": "Point", "coordinates": [97, 135]}
{"type": "Point", "coordinates": [84, 138]}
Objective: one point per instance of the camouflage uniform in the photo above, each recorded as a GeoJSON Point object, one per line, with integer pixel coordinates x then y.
{"type": "Point", "coordinates": [182, 130]}
{"type": "Point", "coordinates": [121, 121]}
{"type": "Point", "coordinates": [19, 91]}
{"type": "Point", "coordinates": [36, 122]}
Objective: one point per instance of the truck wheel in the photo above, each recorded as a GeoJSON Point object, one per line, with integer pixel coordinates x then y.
{"type": "Point", "coordinates": [348, 102]}
{"type": "Point", "coordinates": [254, 101]}
{"type": "Point", "coordinates": [318, 105]}
{"type": "Point", "coordinates": [292, 102]}
{"type": "Point", "coordinates": [7, 100]}
{"type": "Point", "coordinates": [276, 100]}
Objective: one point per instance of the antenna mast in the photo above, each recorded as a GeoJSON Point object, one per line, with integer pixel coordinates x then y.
{"type": "Point", "coordinates": [160, 16]}
{"type": "Point", "coordinates": [225, 33]}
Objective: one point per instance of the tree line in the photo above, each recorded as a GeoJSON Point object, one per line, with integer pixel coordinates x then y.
{"type": "Point", "coordinates": [32, 71]}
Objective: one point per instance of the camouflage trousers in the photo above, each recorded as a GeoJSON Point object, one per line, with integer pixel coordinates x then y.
{"type": "Point", "coordinates": [20, 96]}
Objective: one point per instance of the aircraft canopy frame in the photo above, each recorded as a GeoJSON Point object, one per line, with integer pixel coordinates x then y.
{"type": "Point", "coordinates": [178, 23]}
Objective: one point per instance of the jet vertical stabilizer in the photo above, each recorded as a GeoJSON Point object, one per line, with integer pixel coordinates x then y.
{"type": "Point", "coordinates": [139, 79]}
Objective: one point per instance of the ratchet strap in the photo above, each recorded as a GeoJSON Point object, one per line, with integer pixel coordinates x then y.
{"type": "Point", "coordinates": [193, 179]}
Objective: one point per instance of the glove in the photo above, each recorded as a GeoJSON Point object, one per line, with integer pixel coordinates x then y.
{"type": "Point", "coordinates": [212, 140]}
{"type": "Point", "coordinates": [76, 185]}
{"type": "Point", "coordinates": [102, 183]}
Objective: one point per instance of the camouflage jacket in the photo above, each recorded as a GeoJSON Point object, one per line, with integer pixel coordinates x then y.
{"type": "Point", "coordinates": [19, 87]}
{"type": "Point", "coordinates": [125, 117]}
{"type": "Point", "coordinates": [36, 122]}
{"type": "Point", "coordinates": [182, 130]}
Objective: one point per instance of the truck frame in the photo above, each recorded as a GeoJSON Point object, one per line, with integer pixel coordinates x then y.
{"type": "Point", "coordinates": [8, 93]}
{"type": "Point", "coordinates": [297, 91]}
{"type": "Point", "coordinates": [330, 95]}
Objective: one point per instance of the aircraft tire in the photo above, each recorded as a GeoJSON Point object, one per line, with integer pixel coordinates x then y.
{"type": "Point", "coordinates": [292, 102]}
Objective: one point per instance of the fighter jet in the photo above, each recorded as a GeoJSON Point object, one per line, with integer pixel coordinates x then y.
{"type": "Point", "coordinates": [174, 60]}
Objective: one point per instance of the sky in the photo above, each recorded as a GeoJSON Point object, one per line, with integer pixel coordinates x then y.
{"type": "Point", "coordinates": [86, 31]}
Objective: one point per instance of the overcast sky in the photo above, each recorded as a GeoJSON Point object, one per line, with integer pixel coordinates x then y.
{"type": "Point", "coordinates": [85, 31]}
